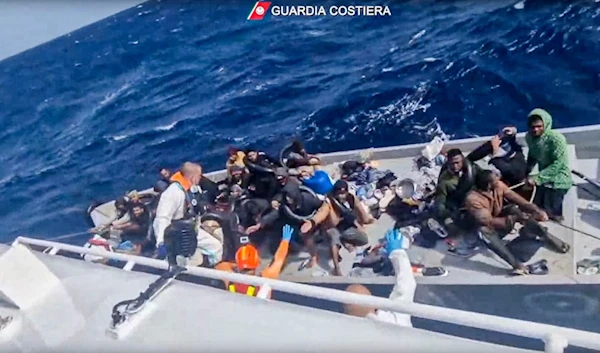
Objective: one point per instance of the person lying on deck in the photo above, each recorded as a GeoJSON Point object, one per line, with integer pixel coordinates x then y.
{"type": "Point", "coordinates": [454, 183]}
{"type": "Point", "coordinates": [303, 210]}
{"type": "Point", "coordinates": [548, 149]}
{"type": "Point", "coordinates": [345, 222]}
{"type": "Point", "coordinates": [494, 220]}
{"type": "Point", "coordinates": [404, 287]}
{"type": "Point", "coordinates": [506, 156]}
{"type": "Point", "coordinates": [247, 261]}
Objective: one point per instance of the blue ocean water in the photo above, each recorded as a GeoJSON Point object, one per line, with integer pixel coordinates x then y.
{"type": "Point", "coordinates": [95, 113]}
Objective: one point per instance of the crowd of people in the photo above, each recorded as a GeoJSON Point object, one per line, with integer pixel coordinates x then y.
{"type": "Point", "coordinates": [487, 204]}
{"type": "Point", "coordinates": [287, 204]}
{"type": "Point", "coordinates": [234, 219]}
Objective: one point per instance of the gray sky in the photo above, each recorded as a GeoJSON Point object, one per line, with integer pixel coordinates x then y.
{"type": "Point", "coordinates": [25, 24]}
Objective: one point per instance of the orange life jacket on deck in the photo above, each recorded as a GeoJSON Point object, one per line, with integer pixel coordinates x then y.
{"type": "Point", "coordinates": [244, 289]}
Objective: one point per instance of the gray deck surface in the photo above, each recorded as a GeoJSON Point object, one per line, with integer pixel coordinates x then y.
{"type": "Point", "coordinates": [484, 266]}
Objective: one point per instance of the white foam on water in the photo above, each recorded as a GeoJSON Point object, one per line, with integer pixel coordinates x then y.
{"type": "Point", "coordinates": [520, 5]}
{"type": "Point", "coordinates": [417, 36]}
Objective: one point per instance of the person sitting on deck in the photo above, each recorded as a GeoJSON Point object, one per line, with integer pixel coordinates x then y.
{"type": "Point", "coordinates": [302, 209]}
{"type": "Point", "coordinates": [454, 182]}
{"type": "Point", "coordinates": [136, 229]}
{"type": "Point", "coordinates": [345, 222]}
{"type": "Point", "coordinates": [236, 158]}
{"type": "Point", "coordinates": [404, 287]}
{"type": "Point", "coordinates": [298, 157]}
{"type": "Point", "coordinates": [122, 215]}
{"type": "Point", "coordinates": [236, 175]}
{"type": "Point", "coordinates": [506, 156]}
{"type": "Point", "coordinates": [247, 261]}
{"type": "Point", "coordinates": [163, 181]}
{"type": "Point", "coordinates": [261, 181]}
{"type": "Point", "coordinates": [548, 149]}
{"type": "Point", "coordinates": [284, 178]}
{"type": "Point", "coordinates": [494, 221]}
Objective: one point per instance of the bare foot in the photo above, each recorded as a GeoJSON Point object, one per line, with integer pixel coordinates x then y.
{"type": "Point", "coordinates": [313, 262]}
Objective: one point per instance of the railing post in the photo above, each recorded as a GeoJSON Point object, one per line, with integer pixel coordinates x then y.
{"type": "Point", "coordinates": [129, 265]}
{"type": "Point", "coordinates": [555, 344]}
{"type": "Point", "coordinates": [264, 292]}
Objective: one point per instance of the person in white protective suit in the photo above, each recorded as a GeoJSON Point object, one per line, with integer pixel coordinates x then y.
{"type": "Point", "coordinates": [404, 288]}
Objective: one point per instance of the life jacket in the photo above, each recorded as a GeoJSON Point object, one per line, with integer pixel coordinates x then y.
{"type": "Point", "coordinates": [195, 203]}
{"type": "Point", "coordinates": [243, 289]}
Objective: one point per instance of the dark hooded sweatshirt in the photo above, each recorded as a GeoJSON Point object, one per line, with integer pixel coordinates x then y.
{"type": "Point", "coordinates": [265, 183]}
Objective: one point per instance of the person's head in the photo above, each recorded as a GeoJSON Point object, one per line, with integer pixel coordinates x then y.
{"type": "Point", "coordinates": [251, 154]}
{"type": "Point", "coordinates": [340, 190]}
{"type": "Point", "coordinates": [137, 209]}
{"type": "Point", "coordinates": [536, 125]}
{"type": "Point", "coordinates": [233, 153]}
{"type": "Point", "coordinates": [165, 174]}
{"type": "Point", "coordinates": [538, 122]}
{"type": "Point", "coordinates": [357, 310]}
{"type": "Point", "coordinates": [456, 160]}
{"type": "Point", "coordinates": [247, 259]}
{"type": "Point", "coordinates": [192, 172]}
{"type": "Point", "coordinates": [281, 174]}
{"type": "Point", "coordinates": [236, 173]}
{"type": "Point", "coordinates": [297, 146]}
{"type": "Point", "coordinates": [236, 191]}
{"type": "Point", "coordinates": [486, 180]}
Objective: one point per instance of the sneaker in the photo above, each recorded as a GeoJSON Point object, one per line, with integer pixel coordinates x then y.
{"type": "Point", "coordinates": [434, 271]}
{"type": "Point", "coordinates": [436, 227]}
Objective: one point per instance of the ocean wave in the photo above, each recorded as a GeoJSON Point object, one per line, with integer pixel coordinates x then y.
{"type": "Point", "coordinates": [169, 82]}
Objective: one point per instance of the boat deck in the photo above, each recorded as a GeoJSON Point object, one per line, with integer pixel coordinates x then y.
{"type": "Point", "coordinates": [581, 212]}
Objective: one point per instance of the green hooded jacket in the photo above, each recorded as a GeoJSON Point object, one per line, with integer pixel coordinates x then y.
{"type": "Point", "coordinates": [549, 152]}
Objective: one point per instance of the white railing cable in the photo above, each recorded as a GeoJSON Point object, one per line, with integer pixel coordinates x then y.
{"type": "Point", "coordinates": [553, 336]}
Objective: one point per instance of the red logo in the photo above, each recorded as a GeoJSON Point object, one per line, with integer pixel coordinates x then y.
{"type": "Point", "coordinates": [259, 11]}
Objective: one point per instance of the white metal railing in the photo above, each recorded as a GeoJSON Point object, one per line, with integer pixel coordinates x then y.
{"type": "Point", "coordinates": [556, 338]}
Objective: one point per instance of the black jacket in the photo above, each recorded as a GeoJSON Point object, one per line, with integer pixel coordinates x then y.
{"type": "Point", "coordinates": [210, 189]}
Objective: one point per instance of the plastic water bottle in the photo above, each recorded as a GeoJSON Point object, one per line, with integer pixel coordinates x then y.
{"type": "Point", "coordinates": [440, 159]}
